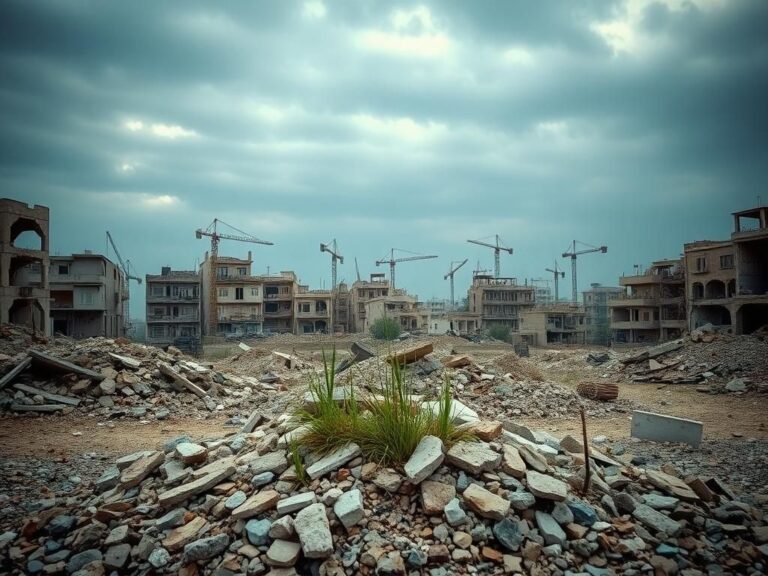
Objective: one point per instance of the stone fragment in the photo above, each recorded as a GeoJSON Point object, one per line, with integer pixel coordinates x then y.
{"type": "Point", "coordinates": [283, 553]}
{"type": "Point", "coordinates": [295, 503]}
{"type": "Point", "coordinates": [205, 548]}
{"type": "Point", "coordinates": [159, 558]}
{"type": "Point", "coordinates": [533, 459]}
{"type": "Point", "coordinates": [454, 513]}
{"type": "Point", "coordinates": [333, 461]}
{"type": "Point", "coordinates": [427, 458]}
{"type": "Point", "coordinates": [543, 486]}
{"type": "Point", "coordinates": [562, 514]}
{"type": "Point", "coordinates": [549, 529]}
{"type": "Point", "coordinates": [438, 554]}
{"type": "Point", "coordinates": [256, 504]}
{"type": "Point", "coordinates": [190, 489]}
{"type": "Point", "coordinates": [507, 532]}
{"type": "Point", "coordinates": [388, 480]}
{"type": "Point", "coordinates": [512, 463]}
{"type": "Point", "coordinates": [191, 453]}
{"type": "Point", "coordinates": [181, 536]}
{"type": "Point", "coordinates": [257, 531]}
{"type": "Point", "coordinates": [235, 500]}
{"type": "Point", "coordinates": [435, 496]}
{"type": "Point", "coordinates": [282, 529]}
{"type": "Point", "coordinates": [390, 564]}
{"type": "Point", "coordinates": [116, 557]}
{"type": "Point", "coordinates": [656, 520]}
{"type": "Point", "coordinates": [311, 524]}
{"type": "Point", "coordinates": [349, 508]}
{"type": "Point", "coordinates": [485, 503]}
{"type": "Point", "coordinates": [77, 561]}
{"type": "Point", "coordinates": [521, 500]}
{"type": "Point", "coordinates": [485, 430]}
{"type": "Point", "coordinates": [582, 512]}
{"type": "Point", "coordinates": [473, 457]}
{"type": "Point", "coordinates": [141, 468]}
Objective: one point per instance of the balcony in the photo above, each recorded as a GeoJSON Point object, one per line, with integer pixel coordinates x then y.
{"type": "Point", "coordinates": [189, 299]}
{"type": "Point", "coordinates": [633, 301]}
{"type": "Point", "coordinates": [313, 314]}
{"type": "Point", "coordinates": [77, 279]}
{"type": "Point", "coordinates": [241, 318]}
{"type": "Point", "coordinates": [61, 305]}
{"type": "Point", "coordinates": [278, 314]}
{"type": "Point", "coordinates": [636, 325]}
{"type": "Point", "coordinates": [287, 296]}
{"type": "Point", "coordinates": [171, 318]}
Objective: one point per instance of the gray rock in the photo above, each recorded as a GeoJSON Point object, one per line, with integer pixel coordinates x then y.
{"type": "Point", "coordinates": [79, 560]}
{"type": "Point", "coordinates": [108, 479]}
{"type": "Point", "coordinates": [508, 534]}
{"type": "Point", "coordinates": [658, 502]}
{"type": "Point", "coordinates": [205, 548]}
{"type": "Point", "coordinates": [736, 385]}
{"type": "Point", "coordinates": [236, 500]}
{"type": "Point", "coordinates": [159, 558]}
{"type": "Point", "coordinates": [117, 556]}
{"type": "Point", "coordinates": [257, 531]}
{"type": "Point", "coordinates": [349, 508]}
{"type": "Point", "coordinates": [262, 479]}
{"type": "Point", "coordinates": [283, 553]}
{"type": "Point", "coordinates": [473, 457]}
{"type": "Point", "coordinates": [61, 525]}
{"type": "Point", "coordinates": [282, 528]}
{"type": "Point", "coordinates": [425, 459]}
{"type": "Point", "coordinates": [311, 524]}
{"type": "Point", "coordinates": [454, 514]}
{"type": "Point", "coordinates": [543, 486]}
{"type": "Point", "coordinates": [582, 512]}
{"type": "Point", "coordinates": [521, 500]}
{"type": "Point", "coordinates": [624, 502]}
{"type": "Point", "coordinates": [333, 461]}
{"type": "Point", "coordinates": [562, 514]}
{"type": "Point", "coordinates": [656, 520]}
{"type": "Point", "coordinates": [550, 529]}
{"type": "Point", "coordinates": [295, 503]}
{"type": "Point", "coordinates": [172, 519]}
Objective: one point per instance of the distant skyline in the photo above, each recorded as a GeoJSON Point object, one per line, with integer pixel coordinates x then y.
{"type": "Point", "coordinates": [636, 124]}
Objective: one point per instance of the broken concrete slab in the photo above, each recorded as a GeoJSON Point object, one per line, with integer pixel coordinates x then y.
{"type": "Point", "coordinates": [141, 468]}
{"type": "Point", "coordinates": [37, 407]}
{"type": "Point", "coordinates": [47, 395]}
{"type": "Point", "coordinates": [410, 355]}
{"type": "Point", "coordinates": [256, 504]}
{"type": "Point", "coordinates": [190, 489]}
{"type": "Point", "coordinates": [131, 363]}
{"type": "Point", "coordinates": [51, 362]}
{"type": "Point", "coordinates": [661, 428]}
{"type": "Point", "coordinates": [180, 380]}
{"type": "Point", "coordinates": [15, 371]}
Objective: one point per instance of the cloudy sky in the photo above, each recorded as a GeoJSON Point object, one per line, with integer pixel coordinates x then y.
{"type": "Point", "coordinates": [636, 124]}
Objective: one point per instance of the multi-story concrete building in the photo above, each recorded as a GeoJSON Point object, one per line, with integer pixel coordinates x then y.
{"type": "Point", "coordinates": [405, 309]}
{"type": "Point", "coordinates": [239, 297]}
{"type": "Point", "coordinates": [653, 307]}
{"type": "Point", "coordinates": [341, 309]}
{"type": "Point", "coordinates": [500, 301]}
{"type": "Point", "coordinates": [361, 292]}
{"type": "Point", "coordinates": [173, 308]}
{"type": "Point", "coordinates": [279, 293]}
{"type": "Point", "coordinates": [727, 281]}
{"type": "Point", "coordinates": [24, 265]}
{"type": "Point", "coordinates": [313, 311]}
{"type": "Point", "coordinates": [88, 296]}
{"type": "Point", "coordinates": [553, 324]}
{"type": "Point", "coordinates": [438, 307]}
{"type": "Point", "coordinates": [597, 312]}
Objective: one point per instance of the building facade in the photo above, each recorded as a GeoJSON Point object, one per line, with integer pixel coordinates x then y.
{"type": "Point", "coordinates": [313, 311]}
{"type": "Point", "coordinates": [406, 310]}
{"type": "Point", "coordinates": [500, 301]}
{"type": "Point", "coordinates": [727, 281]}
{"type": "Point", "coordinates": [24, 265]}
{"type": "Point", "coordinates": [279, 293]}
{"type": "Point", "coordinates": [554, 324]}
{"type": "Point", "coordinates": [361, 292]}
{"type": "Point", "coordinates": [597, 312]}
{"type": "Point", "coordinates": [88, 295]}
{"type": "Point", "coordinates": [653, 307]}
{"type": "Point", "coordinates": [173, 309]}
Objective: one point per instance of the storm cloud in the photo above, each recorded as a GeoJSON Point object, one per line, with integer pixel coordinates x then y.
{"type": "Point", "coordinates": [636, 124]}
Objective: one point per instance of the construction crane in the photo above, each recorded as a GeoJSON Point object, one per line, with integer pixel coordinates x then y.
{"type": "Point", "coordinates": [333, 250]}
{"type": "Point", "coordinates": [450, 274]}
{"type": "Point", "coordinates": [558, 274]}
{"type": "Point", "coordinates": [497, 249]}
{"type": "Point", "coordinates": [572, 254]}
{"type": "Point", "coordinates": [392, 261]}
{"type": "Point", "coordinates": [215, 236]}
{"type": "Point", "coordinates": [127, 276]}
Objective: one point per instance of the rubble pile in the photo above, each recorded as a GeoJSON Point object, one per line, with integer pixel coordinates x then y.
{"type": "Point", "coordinates": [725, 363]}
{"type": "Point", "coordinates": [114, 378]}
{"type": "Point", "coordinates": [499, 505]}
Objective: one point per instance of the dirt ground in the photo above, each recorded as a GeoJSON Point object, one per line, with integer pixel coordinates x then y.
{"type": "Point", "coordinates": [56, 437]}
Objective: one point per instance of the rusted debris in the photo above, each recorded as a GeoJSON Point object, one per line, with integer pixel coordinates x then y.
{"type": "Point", "coordinates": [598, 390]}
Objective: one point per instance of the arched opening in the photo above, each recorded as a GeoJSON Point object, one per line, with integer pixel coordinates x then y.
{"type": "Point", "coordinates": [752, 317]}
{"type": "Point", "coordinates": [321, 326]}
{"type": "Point", "coordinates": [25, 312]}
{"type": "Point", "coordinates": [715, 315]}
{"type": "Point", "coordinates": [697, 291]}
{"type": "Point", "coordinates": [715, 289]}
{"type": "Point", "coordinates": [27, 234]}
{"type": "Point", "coordinates": [731, 288]}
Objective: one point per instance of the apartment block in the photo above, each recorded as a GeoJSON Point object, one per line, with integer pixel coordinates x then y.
{"type": "Point", "coordinates": [24, 264]}
{"type": "Point", "coordinates": [279, 293]}
{"type": "Point", "coordinates": [361, 292]}
{"type": "Point", "coordinates": [88, 296]}
{"type": "Point", "coordinates": [404, 309]}
{"type": "Point", "coordinates": [727, 281]}
{"type": "Point", "coordinates": [341, 307]}
{"type": "Point", "coordinates": [652, 309]}
{"type": "Point", "coordinates": [597, 312]}
{"type": "Point", "coordinates": [173, 309]}
{"type": "Point", "coordinates": [499, 301]}
{"type": "Point", "coordinates": [553, 324]}
{"type": "Point", "coordinates": [239, 297]}
{"type": "Point", "coordinates": [438, 307]}
{"type": "Point", "coordinates": [313, 311]}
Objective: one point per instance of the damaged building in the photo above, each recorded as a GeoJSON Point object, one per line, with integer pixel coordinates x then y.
{"type": "Point", "coordinates": [173, 308]}
{"type": "Point", "coordinates": [653, 307]}
{"type": "Point", "coordinates": [499, 301]}
{"type": "Point", "coordinates": [24, 264]}
{"type": "Point", "coordinates": [88, 296]}
{"type": "Point", "coordinates": [553, 324]}
{"type": "Point", "coordinates": [407, 311]}
{"type": "Point", "coordinates": [360, 293]}
{"type": "Point", "coordinates": [597, 312]}
{"type": "Point", "coordinates": [313, 311]}
{"type": "Point", "coordinates": [727, 281]}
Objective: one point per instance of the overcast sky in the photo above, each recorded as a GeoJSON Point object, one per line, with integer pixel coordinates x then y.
{"type": "Point", "coordinates": [636, 124]}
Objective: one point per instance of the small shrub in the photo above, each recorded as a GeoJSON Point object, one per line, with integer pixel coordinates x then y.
{"type": "Point", "coordinates": [385, 329]}
{"type": "Point", "coordinates": [499, 332]}
{"type": "Point", "coordinates": [387, 426]}
{"type": "Point", "coordinates": [298, 463]}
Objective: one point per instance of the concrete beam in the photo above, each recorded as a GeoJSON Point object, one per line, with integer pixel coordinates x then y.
{"type": "Point", "coordinates": [661, 428]}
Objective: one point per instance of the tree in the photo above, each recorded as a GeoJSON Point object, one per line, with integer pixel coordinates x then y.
{"type": "Point", "coordinates": [385, 329]}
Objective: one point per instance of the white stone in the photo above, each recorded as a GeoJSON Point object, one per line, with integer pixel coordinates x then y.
{"type": "Point", "coordinates": [333, 461]}
{"type": "Point", "coordinates": [295, 503]}
{"type": "Point", "coordinates": [349, 508]}
{"type": "Point", "coordinates": [425, 459]}
{"type": "Point", "coordinates": [543, 486]}
{"type": "Point", "coordinates": [311, 524]}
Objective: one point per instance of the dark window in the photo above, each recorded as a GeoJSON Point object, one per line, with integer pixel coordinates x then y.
{"type": "Point", "coordinates": [238, 293]}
